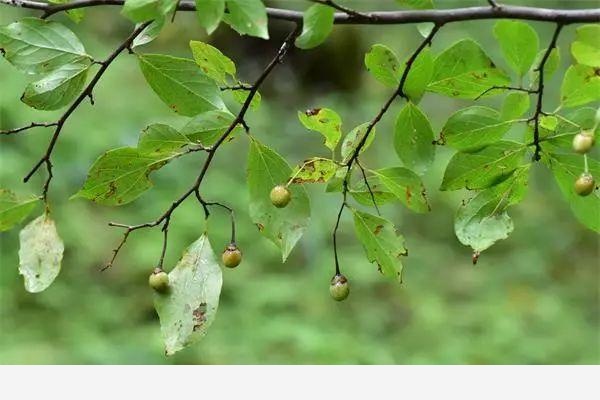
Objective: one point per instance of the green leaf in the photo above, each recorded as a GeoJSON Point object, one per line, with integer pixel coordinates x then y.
{"type": "Point", "coordinates": [378, 192]}
{"type": "Point", "coordinates": [573, 122]}
{"type": "Point", "coordinates": [381, 243]}
{"type": "Point", "coordinates": [325, 121]}
{"type": "Point", "coordinates": [240, 96]}
{"type": "Point", "coordinates": [314, 170]}
{"type": "Point", "coordinates": [336, 183]}
{"type": "Point", "coordinates": [76, 15]}
{"type": "Point", "coordinates": [190, 305]}
{"type": "Point", "coordinates": [483, 168]}
{"type": "Point", "coordinates": [58, 88]}
{"type": "Point", "coordinates": [474, 127]}
{"type": "Point", "coordinates": [514, 106]}
{"type": "Point", "coordinates": [149, 33]}
{"type": "Point", "coordinates": [210, 13]}
{"type": "Point", "coordinates": [206, 128]}
{"type": "Point", "coordinates": [40, 253]}
{"type": "Point", "coordinates": [425, 28]}
{"type": "Point", "coordinates": [550, 67]}
{"type": "Point", "coordinates": [317, 23]}
{"type": "Point", "coordinates": [519, 43]}
{"type": "Point", "coordinates": [161, 140]}
{"type": "Point", "coordinates": [247, 17]}
{"type": "Point", "coordinates": [566, 169]}
{"type": "Point", "coordinates": [214, 63]}
{"type": "Point", "coordinates": [406, 186]}
{"type": "Point", "coordinates": [586, 49]}
{"type": "Point", "coordinates": [383, 64]}
{"type": "Point", "coordinates": [180, 84]}
{"type": "Point", "coordinates": [120, 176]}
{"type": "Point", "coordinates": [419, 76]}
{"type": "Point", "coordinates": [413, 138]}
{"type": "Point", "coordinates": [548, 122]}
{"type": "Point", "coordinates": [581, 85]}
{"type": "Point", "coordinates": [283, 226]}
{"type": "Point", "coordinates": [483, 220]}
{"type": "Point", "coordinates": [14, 209]}
{"type": "Point", "coordinates": [465, 71]}
{"type": "Point", "coordinates": [147, 10]}
{"type": "Point", "coordinates": [353, 139]}
{"type": "Point", "coordinates": [37, 46]}
{"type": "Point", "coordinates": [416, 4]}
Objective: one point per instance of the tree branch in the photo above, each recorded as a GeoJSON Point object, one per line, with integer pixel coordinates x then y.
{"type": "Point", "coordinates": [399, 92]}
{"type": "Point", "coordinates": [348, 11]}
{"type": "Point", "coordinates": [87, 92]}
{"type": "Point", "coordinates": [27, 127]}
{"type": "Point", "coordinates": [195, 188]}
{"type": "Point", "coordinates": [540, 93]}
{"type": "Point", "coordinates": [442, 16]}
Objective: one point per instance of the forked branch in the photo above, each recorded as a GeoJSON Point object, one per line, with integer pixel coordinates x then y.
{"type": "Point", "coordinates": [195, 188]}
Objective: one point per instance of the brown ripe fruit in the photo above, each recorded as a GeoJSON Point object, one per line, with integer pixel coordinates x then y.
{"type": "Point", "coordinates": [232, 256]}
{"type": "Point", "coordinates": [339, 288]}
{"type": "Point", "coordinates": [583, 141]}
{"type": "Point", "coordinates": [584, 185]}
{"type": "Point", "coordinates": [159, 280]}
{"type": "Point", "coordinates": [280, 196]}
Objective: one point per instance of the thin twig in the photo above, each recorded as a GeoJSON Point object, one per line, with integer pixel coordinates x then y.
{"type": "Point", "coordinates": [30, 126]}
{"type": "Point", "coordinates": [364, 175]}
{"type": "Point", "coordinates": [511, 88]}
{"type": "Point", "coordinates": [206, 204]}
{"type": "Point", "coordinates": [540, 92]}
{"type": "Point", "coordinates": [348, 11]}
{"type": "Point", "coordinates": [337, 221]}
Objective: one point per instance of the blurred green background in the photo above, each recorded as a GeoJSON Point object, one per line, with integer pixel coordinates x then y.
{"type": "Point", "coordinates": [533, 298]}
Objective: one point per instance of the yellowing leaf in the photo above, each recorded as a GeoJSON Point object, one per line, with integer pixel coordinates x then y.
{"type": "Point", "coordinates": [40, 253]}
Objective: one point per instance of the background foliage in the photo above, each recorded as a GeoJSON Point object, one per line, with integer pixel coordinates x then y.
{"type": "Point", "coordinates": [533, 298]}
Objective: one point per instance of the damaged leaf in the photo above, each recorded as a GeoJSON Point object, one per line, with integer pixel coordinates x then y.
{"type": "Point", "coordinates": [40, 253]}
{"type": "Point", "coordinates": [189, 307]}
{"type": "Point", "coordinates": [381, 243]}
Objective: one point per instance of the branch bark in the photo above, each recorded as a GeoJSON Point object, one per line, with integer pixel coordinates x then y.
{"type": "Point", "coordinates": [441, 16]}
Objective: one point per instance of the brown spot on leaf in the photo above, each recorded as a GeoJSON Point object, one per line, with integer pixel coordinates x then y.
{"type": "Point", "coordinates": [378, 229]}
{"type": "Point", "coordinates": [312, 112]}
{"type": "Point", "coordinates": [199, 316]}
{"type": "Point", "coordinates": [475, 257]}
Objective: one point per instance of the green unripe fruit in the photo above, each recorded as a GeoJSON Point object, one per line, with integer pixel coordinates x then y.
{"type": "Point", "coordinates": [280, 196]}
{"type": "Point", "coordinates": [232, 256]}
{"type": "Point", "coordinates": [339, 288]}
{"type": "Point", "coordinates": [583, 142]}
{"type": "Point", "coordinates": [585, 184]}
{"type": "Point", "coordinates": [159, 280]}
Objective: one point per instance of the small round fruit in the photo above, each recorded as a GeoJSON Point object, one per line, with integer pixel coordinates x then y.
{"type": "Point", "coordinates": [585, 184]}
{"type": "Point", "coordinates": [339, 288]}
{"type": "Point", "coordinates": [583, 142]}
{"type": "Point", "coordinates": [280, 196]}
{"type": "Point", "coordinates": [232, 256]}
{"type": "Point", "coordinates": [159, 280]}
